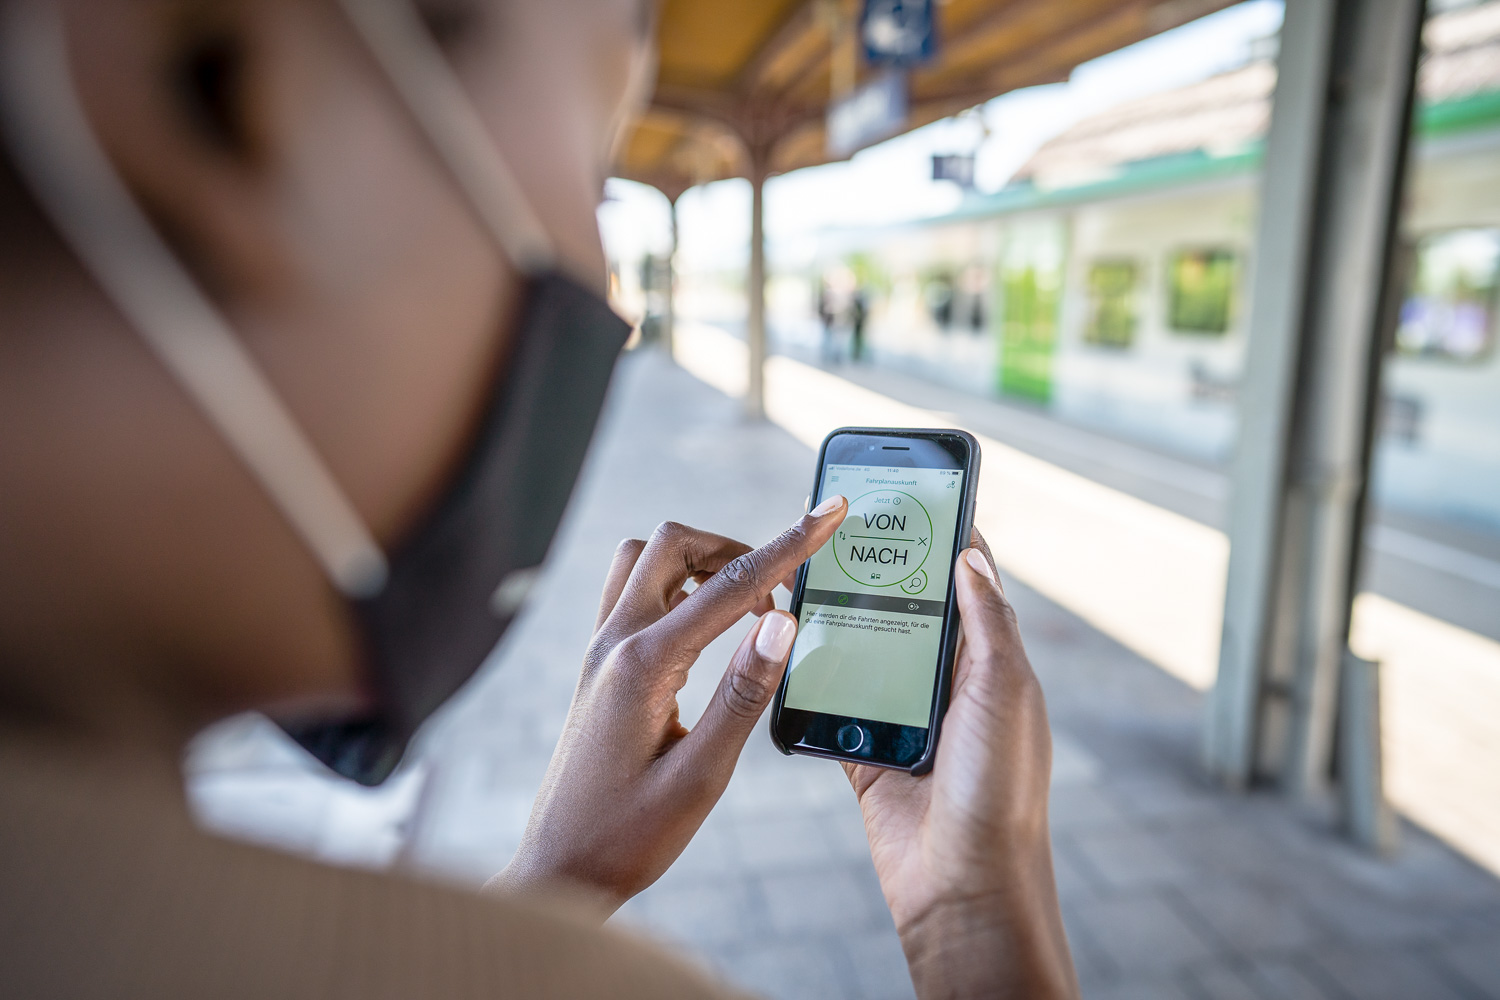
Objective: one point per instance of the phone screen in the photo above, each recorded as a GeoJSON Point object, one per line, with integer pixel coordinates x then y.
{"type": "Point", "coordinates": [873, 606]}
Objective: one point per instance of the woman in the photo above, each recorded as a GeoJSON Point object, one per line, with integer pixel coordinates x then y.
{"type": "Point", "coordinates": [300, 345]}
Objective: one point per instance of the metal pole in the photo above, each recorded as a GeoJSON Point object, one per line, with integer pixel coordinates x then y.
{"type": "Point", "coordinates": [1334, 169]}
{"type": "Point", "coordinates": [1369, 129]}
{"type": "Point", "coordinates": [1277, 294]}
{"type": "Point", "coordinates": [669, 312]}
{"type": "Point", "coordinates": [755, 395]}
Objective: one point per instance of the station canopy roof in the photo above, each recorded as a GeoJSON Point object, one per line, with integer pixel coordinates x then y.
{"type": "Point", "coordinates": [743, 86]}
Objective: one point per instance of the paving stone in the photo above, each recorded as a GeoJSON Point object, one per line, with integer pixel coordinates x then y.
{"type": "Point", "coordinates": [1129, 859]}
{"type": "Point", "coordinates": [1219, 981]}
{"type": "Point", "coordinates": [1226, 842]}
{"type": "Point", "coordinates": [1357, 916]}
{"type": "Point", "coordinates": [1082, 806]}
{"type": "Point", "coordinates": [1247, 916]}
{"type": "Point", "coordinates": [1072, 882]}
{"type": "Point", "coordinates": [1424, 873]}
{"type": "Point", "coordinates": [707, 914]}
{"type": "Point", "coordinates": [789, 970]}
{"type": "Point", "coordinates": [879, 966]}
{"type": "Point", "coordinates": [1141, 933]}
{"type": "Point", "coordinates": [1092, 963]}
{"type": "Point", "coordinates": [781, 842]}
{"type": "Point", "coordinates": [770, 784]}
{"type": "Point", "coordinates": [844, 827]}
{"type": "Point", "coordinates": [1154, 796]}
{"type": "Point", "coordinates": [826, 900]}
{"type": "Point", "coordinates": [1289, 979]}
{"type": "Point", "coordinates": [1386, 974]}
{"type": "Point", "coordinates": [1476, 962]}
{"type": "Point", "coordinates": [875, 904]}
{"type": "Point", "coordinates": [1140, 989]}
{"type": "Point", "coordinates": [710, 854]}
{"type": "Point", "coordinates": [1071, 763]}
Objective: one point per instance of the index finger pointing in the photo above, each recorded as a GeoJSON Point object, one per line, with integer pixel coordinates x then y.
{"type": "Point", "coordinates": [739, 587]}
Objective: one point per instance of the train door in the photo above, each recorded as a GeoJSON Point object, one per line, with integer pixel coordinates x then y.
{"type": "Point", "coordinates": [1033, 258]}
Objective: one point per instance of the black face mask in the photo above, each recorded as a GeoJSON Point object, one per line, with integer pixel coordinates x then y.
{"type": "Point", "coordinates": [455, 584]}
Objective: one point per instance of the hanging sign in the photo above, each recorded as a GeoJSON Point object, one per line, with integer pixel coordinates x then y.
{"type": "Point", "coordinates": [956, 167]}
{"type": "Point", "coordinates": [873, 112]}
{"type": "Point", "coordinates": [898, 32]}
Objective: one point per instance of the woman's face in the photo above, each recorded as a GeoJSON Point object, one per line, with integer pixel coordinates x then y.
{"type": "Point", "coordinates": [145, 579]}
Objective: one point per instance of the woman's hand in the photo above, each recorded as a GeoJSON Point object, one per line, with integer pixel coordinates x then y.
{"type": "Point", "coordinates": [628, 785]}
{"type": "Point", "coordinates": [963, 854]}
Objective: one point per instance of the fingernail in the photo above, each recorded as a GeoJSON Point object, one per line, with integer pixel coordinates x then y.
{"type": "Point", "coordinates": [776, 634]}
{"type": "Point", "coordinates": [981, 564]}
{"type": "Point", "coordinates": [828, 506]}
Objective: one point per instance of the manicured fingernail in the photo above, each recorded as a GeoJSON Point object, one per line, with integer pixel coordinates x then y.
{"type": "Point", "coordinates": [828, 506]}
{"type": "Point", "coordinates": [981, 564]}
{"type": "Point", "coordinates": [776, 634]}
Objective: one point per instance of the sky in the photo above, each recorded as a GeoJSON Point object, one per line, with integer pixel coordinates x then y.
{"type": "Point", "coordinates": [892, 181]}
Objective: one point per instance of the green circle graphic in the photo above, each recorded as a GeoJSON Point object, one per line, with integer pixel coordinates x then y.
{"type": "Point", "coordinates": [853, 531]}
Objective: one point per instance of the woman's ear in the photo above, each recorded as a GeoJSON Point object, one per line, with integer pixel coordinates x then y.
{"type": "Point", "coordinates": [178, 95]}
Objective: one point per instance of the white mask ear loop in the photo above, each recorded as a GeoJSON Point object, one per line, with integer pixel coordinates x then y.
{"type": "Point", "coordinates": [412, 62]}
{"type": "Point", "coordinates": [70, 175]}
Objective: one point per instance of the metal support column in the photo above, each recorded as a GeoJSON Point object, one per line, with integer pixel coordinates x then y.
{"type": "Point", "coordinates": [755, 330]}
{"type": "Point", "coordinates": [669, 311]}
{"type": "Point", "coordinates": [1334, 170]}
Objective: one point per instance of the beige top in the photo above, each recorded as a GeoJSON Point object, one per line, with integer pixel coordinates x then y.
{"type": "Point", "coordinates": [107, 889]}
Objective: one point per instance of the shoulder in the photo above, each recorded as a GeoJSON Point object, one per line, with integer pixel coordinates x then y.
{"type": "Point", "coordinates": [108, 891]}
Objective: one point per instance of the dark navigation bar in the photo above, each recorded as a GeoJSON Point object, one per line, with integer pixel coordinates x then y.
{"type": "Point", "coordinates": [870, 602]}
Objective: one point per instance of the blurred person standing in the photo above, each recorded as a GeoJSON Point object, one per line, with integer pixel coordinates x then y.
{"type": "Point", "coordinates": [826, 316]}
{"type": "Point", "coordinates": [301, 344]}
{"type": "Point", "coordinates": [859, 312]}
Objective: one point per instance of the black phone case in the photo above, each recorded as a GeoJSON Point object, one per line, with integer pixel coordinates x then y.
{"type": "Point", "coordinates": [950, 619]}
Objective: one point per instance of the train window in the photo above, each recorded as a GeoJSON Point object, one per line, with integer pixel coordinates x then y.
{"type": "Point", "coordinates": [1201, 289]}
{"type": "Point", "coordinates": [1112, 303]}
{"type": "Point", "coordinates": [1450, 307]}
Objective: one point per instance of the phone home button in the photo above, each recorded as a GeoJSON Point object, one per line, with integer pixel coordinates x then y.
{"type": "Point", "coordinates": [851, 738]}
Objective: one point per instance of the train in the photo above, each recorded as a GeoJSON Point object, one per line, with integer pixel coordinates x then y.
{"type": "Point", "coordinates": [1108, 282]}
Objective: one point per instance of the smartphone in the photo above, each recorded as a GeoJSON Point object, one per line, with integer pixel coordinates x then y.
{"type": "Point", "coordinates": [877, 626]}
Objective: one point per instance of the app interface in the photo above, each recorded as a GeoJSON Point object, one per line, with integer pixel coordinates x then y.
{"type": "Point", "coordinates": [872, 611]}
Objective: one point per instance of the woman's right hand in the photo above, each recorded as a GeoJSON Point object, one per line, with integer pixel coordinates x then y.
{"type": "Point", "coordinates": [963, 853]}
{"type": "Point", "coordinates": [629, 785]}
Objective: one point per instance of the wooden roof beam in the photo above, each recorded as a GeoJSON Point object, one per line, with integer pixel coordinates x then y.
{"type": "Point", "coordinates": [1172, 13]}
{"type": "Point", "coordinates": [800, 21]}
{"type": "Point", "coordinates": [1042, 67]}
{"type": "Point", "coordinates": [1064, 50]}
{"type": "Point", "coordinates": [696, 101]}
{"type": "Point", "coordinates": [1155, 17]}
{"type": "Point", "coordinates": [983, 28]}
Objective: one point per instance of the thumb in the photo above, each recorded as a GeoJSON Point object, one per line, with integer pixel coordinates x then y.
{"type": "Point", "coordinates": [742, 696]}
{"type": "Point", "coordinates": [993, 655]}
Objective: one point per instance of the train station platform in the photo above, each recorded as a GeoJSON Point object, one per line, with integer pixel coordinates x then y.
{"type": "Point", "coordinates": [1170, 888]}
{"type": "Point", "coordinates": [1132, 540]}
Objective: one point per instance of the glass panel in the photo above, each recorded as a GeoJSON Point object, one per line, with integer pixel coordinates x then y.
{"type": "Point", "coordinates": [1112, 303]}
{"type": "Point", "coordinates": [1449, 311]}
